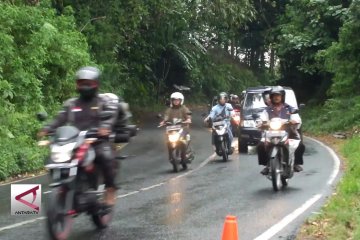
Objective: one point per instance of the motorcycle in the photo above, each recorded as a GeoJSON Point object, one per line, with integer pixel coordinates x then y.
{"type": "Point", "coordinates": [220, 130]}
{"type": "Point", "coordinates": [178, 144]}
{"type": "Point", "coordinates": [77, 184]}
{"type": "Point", "coordinates": [281, 152]}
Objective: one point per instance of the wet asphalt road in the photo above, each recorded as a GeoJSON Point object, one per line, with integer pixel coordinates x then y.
{"type": "Point", "coordinates": [155, 203]}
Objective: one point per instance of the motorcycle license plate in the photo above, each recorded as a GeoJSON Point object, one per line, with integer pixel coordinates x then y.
{"type": "Point", "coordinates": [172, 128]}
{"type": "Point", "coordinates": [56, 173]}
{"type": "Point", "coordinates": [73, 171]}
{"type": "Point", "coordinates": [275, 133]}
{"type": "Point", "coordinates": [215, 124]}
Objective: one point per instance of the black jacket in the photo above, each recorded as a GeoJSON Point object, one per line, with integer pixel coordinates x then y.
{"type": "Point", "coordinates": [84, 114]}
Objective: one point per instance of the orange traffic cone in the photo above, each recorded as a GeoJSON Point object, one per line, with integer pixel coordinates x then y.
{"type": "Point", "coordinates": [230, 231]}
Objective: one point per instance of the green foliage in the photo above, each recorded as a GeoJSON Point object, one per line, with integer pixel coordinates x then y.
{"type": "Point", "coordinates": [39, 53]}
{"type": "Point", "coordinates": [343, 57]}
{"type": "Point", "coordinates": [339, 219]}
{"type": "Point", "coordinates": [334, 115]}
{"type": "Point", "coordinates": [307, 28]}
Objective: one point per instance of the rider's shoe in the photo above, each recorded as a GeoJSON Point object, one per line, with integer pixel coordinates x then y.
{"type": "Point", "coordinates": [110, 196]}
{"type": "Point", "coordinates": [265, 171]}
{"type": "Point", "coordinates": [298, 168]}
{"type": "Point", "coordinates": [231, 151]}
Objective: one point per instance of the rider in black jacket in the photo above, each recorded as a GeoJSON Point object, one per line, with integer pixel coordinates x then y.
{"type": "Point", "coordinates": [83, 113]}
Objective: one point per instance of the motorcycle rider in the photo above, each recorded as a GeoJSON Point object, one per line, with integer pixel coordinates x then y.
{"type": "Point", "coordinates": [223, 109]}
{"type": "Point", "coordinates": [83, 113]}
{"type": "Point", "coordinates": [278, 108]}
{"type": "Point", "coordinates": [178, 110]}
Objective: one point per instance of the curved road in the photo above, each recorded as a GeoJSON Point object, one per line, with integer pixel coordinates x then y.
{"type": "Point", "coordinates": [155, 203]}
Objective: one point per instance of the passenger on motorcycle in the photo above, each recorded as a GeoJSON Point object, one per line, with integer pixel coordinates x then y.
{"type": "Point", "coordinates": [277, 108]}
{"type": "Point", "coordinates": [178, 110]}
{"type": "Point", "coordinates": [83, 113]}
{"type": "Point", "coordinates": [222, 109]}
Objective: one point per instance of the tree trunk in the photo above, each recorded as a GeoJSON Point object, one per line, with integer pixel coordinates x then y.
{"type": "Point", "coordinates": [272, 60]}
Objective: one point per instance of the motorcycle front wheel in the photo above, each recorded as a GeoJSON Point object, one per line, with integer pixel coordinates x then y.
{"type": "Point", "coordinates": [224, 151]}
{"type": "Point", "coordinates": [175, 156]}
{"type": "Point", "coordinates": [275, 173]}
{"type": "Point", "coordinates": [59, 224]}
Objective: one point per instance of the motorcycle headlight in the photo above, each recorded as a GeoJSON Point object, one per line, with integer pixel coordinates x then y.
{"type": "Point", "coordinates": [63, 153]}
{"type": "Point", "coordinates": [174, 137]}
{"type": "Point", "coordinates": [249, 123]}
{"type": "Point", "coordinates": [275, 125]}
{"type": "Point", "coordinates": [221, 131]}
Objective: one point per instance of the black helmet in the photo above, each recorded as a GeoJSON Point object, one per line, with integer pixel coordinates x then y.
{"type": "Point", "coordinates": [88, 90]}
{"type": "Point", "coordinates": [278, 90]}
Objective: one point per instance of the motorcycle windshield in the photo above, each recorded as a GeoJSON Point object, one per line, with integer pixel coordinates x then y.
{"type": "Point", "coordinates": [66, 134]}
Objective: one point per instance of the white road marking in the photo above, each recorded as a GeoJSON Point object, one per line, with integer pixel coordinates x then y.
{"type": "Point", "coordinates": [288, 219]}
{"type": "Point", "coordinates": [297, 212]}
{"type": "Point", "coordinates": [21, 223]}
{"type": "Point", "coordinates": [151, 187]}
{"type": "Point", "coordinates": [127, 194]}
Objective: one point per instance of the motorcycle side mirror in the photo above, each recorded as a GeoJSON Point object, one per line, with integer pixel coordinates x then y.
{"type": "Point", "coordinates": [106, 115]}
{"type": "Point", "coordinates": [189, 113]}
{"type": "Point", "coordinates": [215, 98]}
{"type": "Point", "coordinates": [160, 116]}
{"type": "Point", "coordinates": [209, 105]}
{"type": "Point", "coordinates": [41, 116]}
{"type": "Point", "coordinates": [295, 111]}
{"type": "Point", "coordinates": [255, 116]}
{"type": "Point", "coordinates": [167, 102]}
{"type": "Point", "coordinates": [302, 105]}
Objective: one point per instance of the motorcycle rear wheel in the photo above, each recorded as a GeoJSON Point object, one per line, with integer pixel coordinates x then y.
{"type": "Point", "coordinates": [101, 220]}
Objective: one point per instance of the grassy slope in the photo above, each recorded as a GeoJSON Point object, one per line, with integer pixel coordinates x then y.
{"type": "Point", "coordinates": [340, 217]}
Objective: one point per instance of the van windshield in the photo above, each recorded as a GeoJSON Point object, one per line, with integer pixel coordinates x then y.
{"type": "Point", "coordinates": [254, 100]}
{"type": "Point", "coordinates": [290, 98]}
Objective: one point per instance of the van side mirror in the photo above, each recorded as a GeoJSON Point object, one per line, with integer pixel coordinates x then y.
{"type": "Point", "coordinates": [295, 111]}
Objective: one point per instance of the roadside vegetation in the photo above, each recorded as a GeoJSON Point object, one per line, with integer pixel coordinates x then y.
{"type": "Point", "coordinates": [145, 47]}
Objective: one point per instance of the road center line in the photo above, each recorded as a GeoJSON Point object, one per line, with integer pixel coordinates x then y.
{"type": "Point", "coordinates": [297, 212]}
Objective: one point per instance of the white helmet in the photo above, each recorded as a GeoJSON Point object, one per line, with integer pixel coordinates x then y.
{"type": "Point", "coordinates": [177, 95]}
